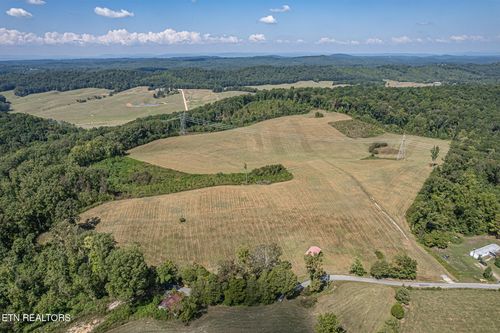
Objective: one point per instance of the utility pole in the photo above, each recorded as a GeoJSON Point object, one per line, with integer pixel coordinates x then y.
{"type": "Point", "coordinates": [246, 172]}
{"type": "Point", "coordinates": [402, 149]}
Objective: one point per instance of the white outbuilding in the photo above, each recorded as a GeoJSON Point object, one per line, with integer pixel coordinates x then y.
{"type": "Point", "coordinates": [485, 251]}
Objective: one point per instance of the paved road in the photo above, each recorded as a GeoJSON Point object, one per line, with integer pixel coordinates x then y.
{"type": "Point", "coordinates": [413, 284]}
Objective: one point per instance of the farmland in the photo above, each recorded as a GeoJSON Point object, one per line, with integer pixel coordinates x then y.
{"type": "Point", "coordinates": [112, 110]}
{"type": "Point", "coordinates": [401, 84]}
{"type": "Point", "coordinates": [299, 84]}
{"type": "Point", "coordinates": [447, 311]}
{"type": "Point", "coordinates": [344, 204]}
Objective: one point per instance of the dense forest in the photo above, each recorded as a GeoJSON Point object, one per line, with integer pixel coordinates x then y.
{"type": "Point", "coordinates": [29, 81]}
{"type": "Point", "coordinates": [50, 172]}
{"type": "Point", "coordinates": [220, 62]}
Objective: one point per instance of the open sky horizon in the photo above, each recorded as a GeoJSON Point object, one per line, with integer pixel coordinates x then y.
{"type": "Point", "coordinates": [90, 28]}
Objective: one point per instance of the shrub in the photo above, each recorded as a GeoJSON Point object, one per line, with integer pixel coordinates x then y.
{"type": "Point", "coordinates": [141, 178]}
{"type": "Point", "coordinates": [397, 311]}
{"type": "Point", "coordinates": [488, 274]}
{"type": "Point", "coordinates": [307, 302]}
{"type": "Point", "coordinates": [403, 295]}
{"type": "Point", "coordinates": [404, 267]}
{"type": "Point", "coordinates": [357, 268]}
{"type": "Point", "coordinates": [373, 147]}
{"type": "Point", "coordinates": [328, 323]}
{"type": "Point", "coordinates": [380, 269]}
{"type": "Point", "coordinates": [269, 170]}
{"type": "Point", "coordinates": [497, 261]}
{"type": "Point", "coordinates": [318, 114]}
{"type": "Point", "coordinates": [379, 255]}
{"type": "Point", "coordinates": [182, 220]}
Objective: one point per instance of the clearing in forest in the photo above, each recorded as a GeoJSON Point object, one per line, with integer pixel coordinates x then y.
{"type": "Point", "coordinates": [299, 84]}
{"type": "Point", "coordinates": [345, 204]}
{"type": "Point", "coordinates": [402, 84]}
{"type": "Point", "coordinates": [100, 109]}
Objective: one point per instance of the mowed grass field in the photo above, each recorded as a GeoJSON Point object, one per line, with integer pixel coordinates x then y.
{"type": "Point", "coordinates": [299, 84]}
{"type": "Point", "coordinates": [402, 84]}
{"type": "Point", "coordinates": [453, 311]}
{"type": "Point", "coordinates": [360, 307]}
{"type": "Point", "coordinates": [199, 97]}
{"type": "Point", "coordinates": [347, 206]}
{"type": "Point", "coordinates": [286, 317]}
{"type": "Point", "coordinates": [113, 110]}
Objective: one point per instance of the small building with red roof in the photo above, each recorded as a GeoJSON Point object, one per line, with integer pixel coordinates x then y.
{"type": "Point", "coordinates": [313, 250]}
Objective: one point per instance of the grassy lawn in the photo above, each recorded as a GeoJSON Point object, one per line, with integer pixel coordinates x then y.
{"type": "Point", "coordinates": [453, 311]}
{"type": "Point", "coordinates": [456, 258]}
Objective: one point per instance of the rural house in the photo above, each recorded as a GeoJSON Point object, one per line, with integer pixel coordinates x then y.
{"type": "Point", "coordinates": [485, 251]}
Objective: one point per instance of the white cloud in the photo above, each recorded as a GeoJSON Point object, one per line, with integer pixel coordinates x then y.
{"type": "Point", "coordinates": [119, 36]}
{"type": "Point", "coordinates": [283, 9]}
{"type": "Point", "coordinates": [18, 12]}
{"type": "Point", "coordinates": [401, 40]}
{"type": "Point", "coordinates": [36, 2]}
{"type": "Point", "coordinates": [463, 38]}
{"type": "Point", "coordinates": [257, 38]}
{"type": "Point", "coordinates": [373, 41]}
{"type": "Point", "coordinates": [327, 40]}
{"type": "Point", "coordinates": [268, 19]}
{"type": "Point", "coordinates": [14, 37]}
{"type": "Point", "coordinates": [106, 12]}
{"type": "Point", "coordinates": [221, 39]}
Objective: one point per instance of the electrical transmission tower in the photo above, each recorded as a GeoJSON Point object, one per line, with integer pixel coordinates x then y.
{"type": "Point", "coordinates": [402, 149]}
{"type": "Point", "coordinates": [182, 131]}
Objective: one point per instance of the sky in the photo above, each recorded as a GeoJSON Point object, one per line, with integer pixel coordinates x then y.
{"type": "Point", "coordinates": [88, 28]}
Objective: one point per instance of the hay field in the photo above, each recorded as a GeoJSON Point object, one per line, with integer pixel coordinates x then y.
{"type": "Point", "coordinates": [452, 311]}
{"type": "Point", "coordinates": [299, 84]}
{"type": "Point", "coordinates": [347, 206]}
{"type": "Point", "coordinates": [402, 84]}
{"type": "Point", "coordinates": [286, 317]}
{"type": "Point", "coordinates": [199, 97]}
{"type": "Point", "coordinates": [360, 307]}
{"type": "Point", "coordinates": [113, 110]}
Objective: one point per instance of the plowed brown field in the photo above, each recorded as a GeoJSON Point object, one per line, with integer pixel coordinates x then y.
{"type": "Point", "coordinates": [345, 205]}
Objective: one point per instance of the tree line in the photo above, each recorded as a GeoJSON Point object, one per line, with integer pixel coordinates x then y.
{"type": "Point", "coordinates": [4, 104]}
{"type": "Point", "coordinates": [25, 81]}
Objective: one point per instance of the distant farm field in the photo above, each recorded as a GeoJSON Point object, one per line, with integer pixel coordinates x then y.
{"type": "Point", "coordinates": [113, 110]}
{"type": "Point", "coordinates": [346, 205]}
{"type": "Point", "coordinates": [299, 84]}
{"type": "Point", "coordinates": [401, 84]}
{"type": "Point", "coordinates": [452, 311]}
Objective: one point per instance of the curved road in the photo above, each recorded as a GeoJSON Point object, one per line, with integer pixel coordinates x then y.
{"type": "Point", "coordinates": [413, 284]}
